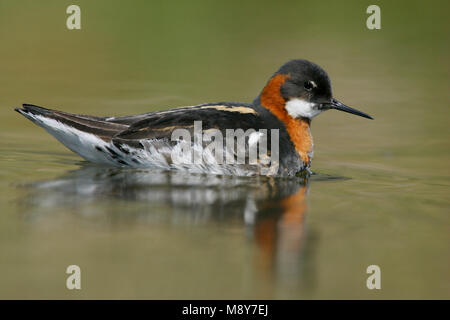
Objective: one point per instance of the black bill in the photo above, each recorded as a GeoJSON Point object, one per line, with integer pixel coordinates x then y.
{"type": "Point", "coordinates": [342, 107]}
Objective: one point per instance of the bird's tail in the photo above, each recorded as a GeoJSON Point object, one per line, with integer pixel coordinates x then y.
{"type": "Point", "coordinates": [82, 134]}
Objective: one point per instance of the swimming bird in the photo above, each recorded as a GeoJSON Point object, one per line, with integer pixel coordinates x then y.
{"type": "Point", "coordinates": [299, 91]}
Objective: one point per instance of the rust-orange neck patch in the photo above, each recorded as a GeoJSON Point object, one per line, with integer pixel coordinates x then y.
{"type": "Point", "coordinates": [298, 129]}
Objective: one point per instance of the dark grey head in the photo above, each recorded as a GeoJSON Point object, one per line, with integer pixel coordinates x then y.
{"type": "Point", "coordinates": [306, 90]}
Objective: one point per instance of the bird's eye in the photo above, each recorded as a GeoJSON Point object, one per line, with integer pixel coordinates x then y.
{"type": "Point", "coordinates": [308, 85]}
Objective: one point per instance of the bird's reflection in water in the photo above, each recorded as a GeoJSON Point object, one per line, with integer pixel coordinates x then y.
{"type": "Point", "coordinates": [279, 230]}
{"type": "Point", "coordinates": [271, 211]}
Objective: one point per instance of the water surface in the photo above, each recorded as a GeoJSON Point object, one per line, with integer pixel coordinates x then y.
{"type": "Point", "coordinates": [379, 195]}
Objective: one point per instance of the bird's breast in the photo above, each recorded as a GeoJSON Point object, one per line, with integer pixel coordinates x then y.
{"type": "Point", "coordinates": [300, 134]}
{"type": "Point", "coordinates": [298, 129]}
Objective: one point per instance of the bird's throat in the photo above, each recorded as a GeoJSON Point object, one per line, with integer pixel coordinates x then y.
{"type": "Point", "coordinates": [298, 129]}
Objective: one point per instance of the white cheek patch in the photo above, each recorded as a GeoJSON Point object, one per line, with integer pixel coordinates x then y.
{"type": "Point", "coordinates": [302, 108]}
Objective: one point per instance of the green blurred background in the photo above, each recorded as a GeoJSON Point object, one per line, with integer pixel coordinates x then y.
{"type": "Point", "coordinates": [139, 56]}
